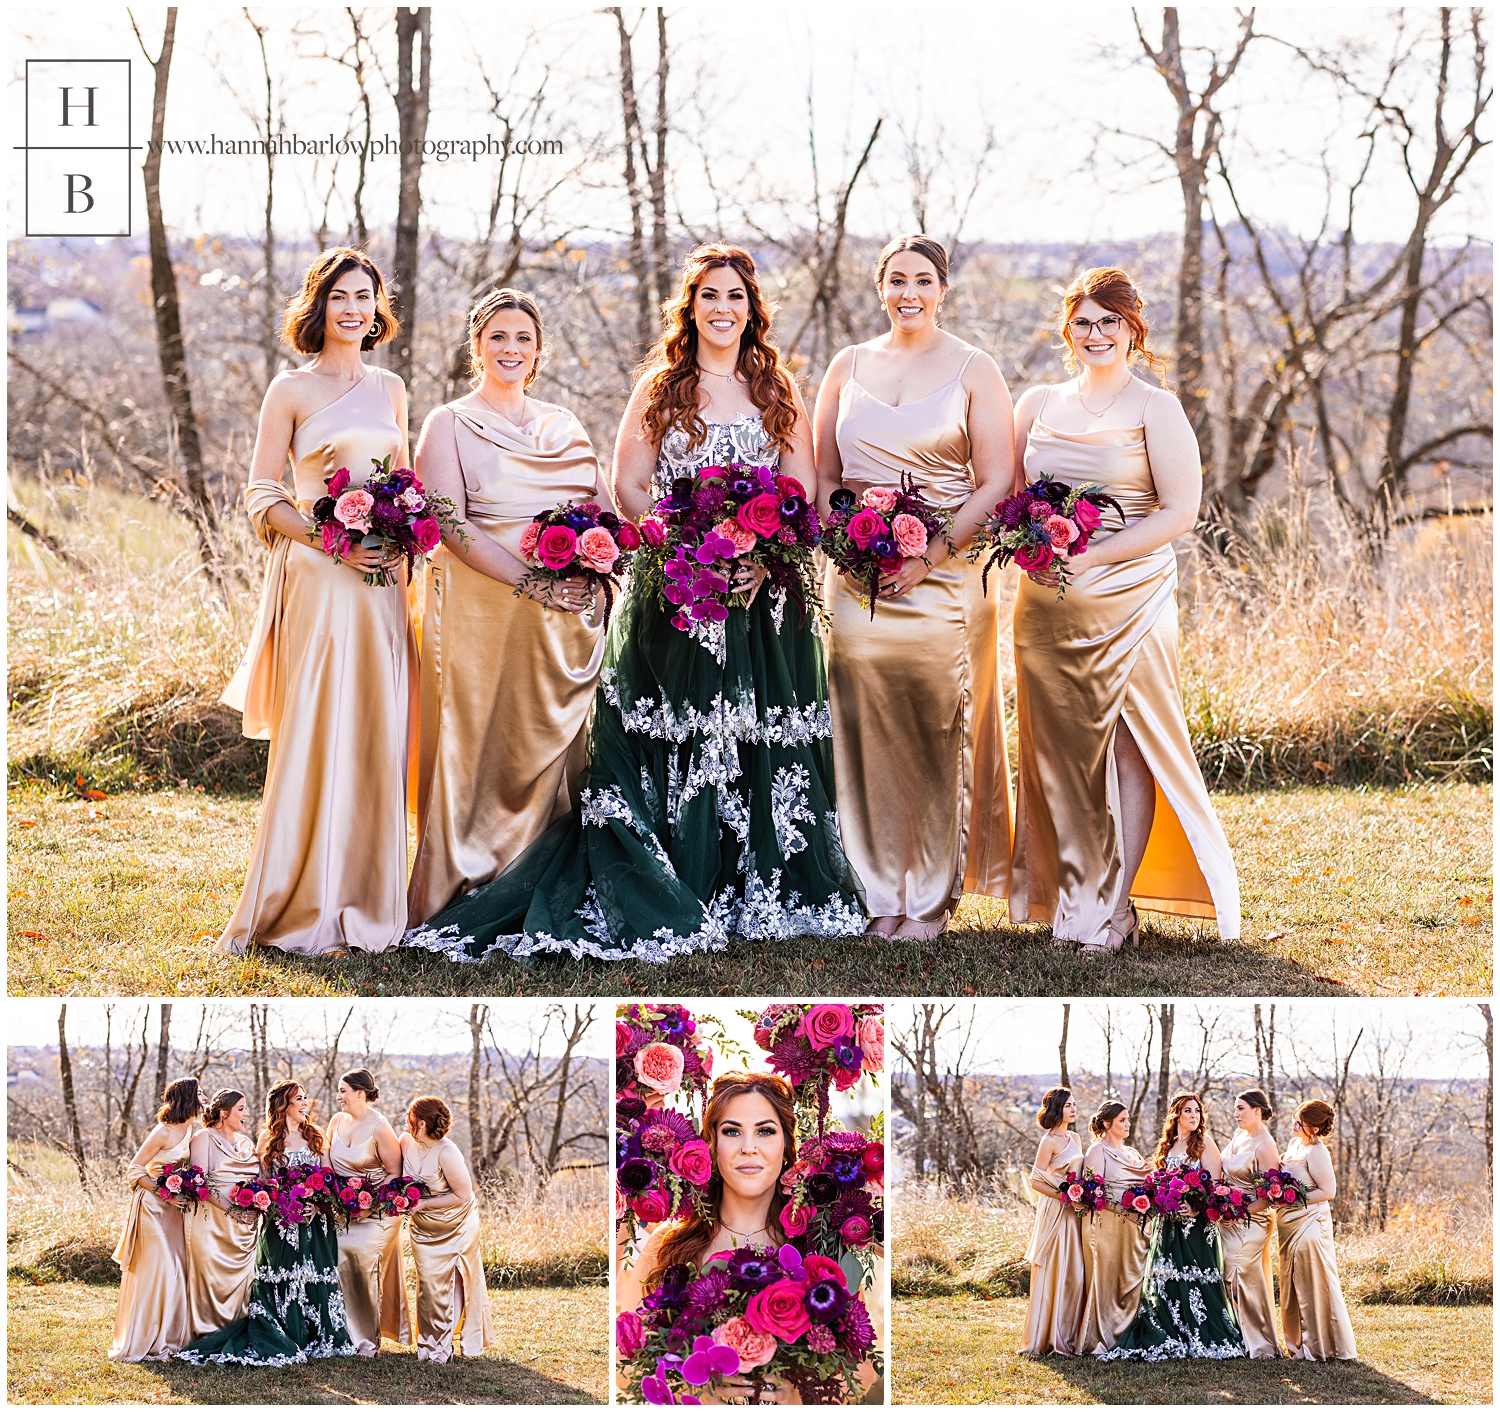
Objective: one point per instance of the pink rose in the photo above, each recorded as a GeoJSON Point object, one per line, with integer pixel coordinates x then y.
{"type": "Point", "coordinates": [353, 509]}
{"type": "Point", "coordinates": [743, 540]}
{"type": "Point", "coordinates": [793, 1175]}
{"type": "Point", "coordinates": [1031, 557]}
{"type": "Point", "coordinates": [863, 526]}
{"type": "Point", "coordinates": [706, 1062]}
{"type": "Point", "coordinates": [873, 1162]}
{"type": "Point", "coordinates": [824, 1025]}
{"type": "Point", "coordinates": [654, 531]}
{"type": "Point", "coordinates": [871, 1040]}
{"type": "Point", "coordinates": [820, 1267]}
{"type": "Point", "coordinates": [1086, 516]}
{"type": "Point", "coordinates": [1075, 1192]}
{"type": "Point", "coordinates": [242, 1197]}
{"type": "Point", "coordinates": [794, 1223]}
{"type": "Point", "coordinates": [338, 482]}
{"type": "Point", "coordinates": [1141, 1202]}
{"type": "Point", "coordinates": [624, 1037]}
{"type": "Point", "coordinates": [365, 1200]}
{"type": "Point", "coordinates": [1061, 531]}
{"type": "Point", "coordinates": [427, 534]}
{"type": "Point", "coordinates": [529, 537]}
{"type": "Point", "coordinates": [762, 515]}
{"type": "Point", "coordinates": [741, 1336]}
{"type": "Point", "coordinates": [693, 1162]}
{"type": "Point", "coordinates": [659, 1066]}
{"type": "Point", "coordinates": [880, 497]}
{"type": "Point", "coordinates": [629, 536]}
{"type": "Point", "coordinates": [911, 535]}
{"type": "Point", "coordinates": [335, 542]}
{"type": "Point", "coordinates": [262, 1200]}
{"type": "Point", "coordinates": [778, 1310]}
{"type": "Point", "coordinates": [856, 1230]}
{"type": "Point", "coordinates": [630, 1333]}
{"type": "Point", "coordinates": [556, 546]}
{"type": "Point", "coordinates": [174, 1183]}
{"type": "Point", "coordinates": [598, 549]}
{"type": "Point", "coordinates": [620, 1207]}
{"type": "Point", "coordinates": [651, 1206]}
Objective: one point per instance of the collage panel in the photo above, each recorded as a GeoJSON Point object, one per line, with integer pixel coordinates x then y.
{"type": "Point", "coordinates": [226, 1202]}
{"type": "Point", "coordinates": [1191, 1202]}
{"type": "Point", "coordinates": [750, 1240]}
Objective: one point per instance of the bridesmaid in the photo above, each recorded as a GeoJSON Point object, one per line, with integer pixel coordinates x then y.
{"type": "Point", "coordinates": [220, 1248]}
{"type": "Point", "coordinates": [1117, 1245]}
{"type": "Point", "coordinates": [151, 1321]}
{"type": "Point", "coordinates": [330, 674]}
{"type": "Point", "coordinates": [361, 1143]}
{"type": "Point", "coordinates": [920, 683]}
{"type": "Point", "coordinates": [1314, 1320]}
{"type": "Point", "coordinates": [1247, 1246]}
{"type": "Point", "coordinates": [1110, 805]}
{"type": "Point", "coordinates": [452, 1311]}
{"type": "Point", "coordinates": [506, 684]}
{"type": "Point", "coordinates": [1055, 1310]}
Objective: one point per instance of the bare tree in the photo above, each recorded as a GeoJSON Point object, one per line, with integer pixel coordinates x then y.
{"type": "Point", "coordinates": [163, 1052]}
{"type": "Point", "coordinates": [413, 94]}
{"type": "Point", "coordinates": [1062, 1051]}
{"type": "Point", "coordinates": [1489, 1093]}
{"type": "Point", "coordinates": [1167, 1019]}
{"type": "Point", "coordinates": [70, 1106]}
{"type": "Point", "coordinates": [270, 321]}
{"type": "Point", "coordinates": [1265, 1051]}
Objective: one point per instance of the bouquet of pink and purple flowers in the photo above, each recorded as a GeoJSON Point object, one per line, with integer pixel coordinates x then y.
{"type": "Point", "coordinates": [401, 1197]}
{"type": "Point", "coordinates": [657, 1047]}
{"type": "Point", "coordinates": [1138, 1202]}
{"type": "Point", "coordinates": [1041, 526]}
{"type": "Point", "coordinates": [716, 519]}
{"type": "Point", "coordinates": [183, 1181]}
{"type": "Point", "coordinates": [584, 542]}
{"type": "Point", "coordinates": [1083, 1192]}
{"type": "Point", "coordinates": [1280, 1188]}
{"type": "Point", "coordinates": [815, 1046]}
{"type": "Point", "coordinates": [662, 1167]}
{"type": "Point", "coordinates": [252, 1199]}
{"type": "Point", "coordinates": [765, 1315]}
{"type": "Point", "coordinates": [879, 531]}
{"type": "Point", "coordinates": [837, 1193]}
{"type": "Point", "coordinates": [1226, 1205]}
{"type": "Point", "coordinates": [389, 511]}
{"type": "Point", "coordinates": [302, 1192]}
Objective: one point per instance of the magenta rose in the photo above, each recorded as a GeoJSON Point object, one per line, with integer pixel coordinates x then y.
{"type": "Point", "coordinates": [820, 1267]}
{"type": "Point", "coordinates": [628, 535]}
{"type": "Point", "coordinates": [1031, 557]}
{"type": "Point", "coordinates": [871, 1040]}
{"type": "Point", "coordinates": [624, 1036]}
{"type": "Point", "coordinates": [338, 482]}
{"type": "Point", "coordinates": [778, 1310]}
{"type": "Point", "coordinates": [761, 514]}
{"type": "Point", "coordinates": [873, 1162]}
{"type": "Point", "coordinates": [659, 1066]}
{"type": "Point", "coordinates": [556, 546]}
{"type": "Point", "coordinates": [823, 1025]}
{"type": "Point", "coordinates": [653, 531]}
{"type": "Point", "coordinates": [794, 1223]}
{"type": "Point", "coordinates": [911, 535]}
{"type": "Point", "coordinates": [693, 1162]}
{"type": "Point", "coordinates": [855, 1231]}
{"type": "Point", "coordinates": [789, 485]}
{"type": "Point", "coordinates": [1086, 516]}
{"type": "Point", "coordinates": [864, 525]}
{"type": "Point", "coordinates": [630, 1333]}
{"type": "Point", "coordinates": [651, 1205]}
{"type": "Point", "coordinates": [427, 533]}
{"type": "Point", "coordinates": [741, 1336]}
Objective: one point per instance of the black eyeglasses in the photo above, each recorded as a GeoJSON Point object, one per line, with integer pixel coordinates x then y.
{"type": "Point", "coordinates": [1109, 325]}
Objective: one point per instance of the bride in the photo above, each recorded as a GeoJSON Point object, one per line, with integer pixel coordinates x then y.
{"type": "Point", "coordinates": [707, 811]}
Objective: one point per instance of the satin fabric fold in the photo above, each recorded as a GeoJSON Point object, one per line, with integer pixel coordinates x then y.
{"type": "Point", "coordinates": [451, 1312]}
{"type": "Point", "coordinates": [918, 726]}
{"type": "Point", "coordinates": [1314, 1318]}
{"type": "Point", "coordinates": [506, 684]}
{"type": "Point", "coordinates": [370, 1273]}
{"type": "Point", "coordinates": [151, 1319]}
{"type": "Point", "coordinates": [1108, 651]}
{"type": "Point", "coordinates": [220, 1248]}
{"type": "Point", "coordinates": [1059, 1281]}
{"type": "Point", "coordinates": [330, 678]}
{"type": "Point", "coordinates": [1117, 1250]}
{"type": "Point", "coordinates": [1247, 1262]}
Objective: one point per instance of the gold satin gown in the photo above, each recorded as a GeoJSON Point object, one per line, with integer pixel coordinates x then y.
{"type": "Point", "coordinates": [452, 1312]}
{"type": "Point", "coordinates": [330, 679]}
{"type": "Point", "coordinates": [506, 683]}
{"type": "Point", "coordinates": [1117, 1257]}
{"type": "Point", "coordinates": [369, 1257]}
{"type": "Point", "coordinates": [1247, 1262]}
{"type": "Point", "coordinates": [918, 726]}
{"type": "Point", "coordinates": [151, 1320]}
{"type": "Point", "coordinates": [220, 1249]}
{"type": "Point", "coordinates": [1059, 1282]}
{"type": "Point", "coordinates": [1109, 649]}
{"type": "Point", "coordinates": [1314, 1319]}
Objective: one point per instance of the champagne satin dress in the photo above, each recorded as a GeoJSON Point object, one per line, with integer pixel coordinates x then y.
{"type": "Point", "coordinates": [1116, 1256]}
{"type": "Point", "coordinates": [1247, 1261]}
{"type": "Point", "coordinates": [330, 679]}
{"type": "Point", "coordinates": [506, 683]}
{"type": "Point", "coordinates": [151, 1320]}
{"type": "Point", "coordinates": [1314, 1319]}
{"type": "Point", "coordinates": [1109, 649]}
{"type": "Point", "coordinates": [452, 1312]}
{"type": "Point", "coordinates": [1059, 1280]}
{"type": "Point", "coordinates": [220, 1247]}
{"type": "Point", "coordinates": [369, 1257]}
{"type": "Point", "coordinates": [918, 725]}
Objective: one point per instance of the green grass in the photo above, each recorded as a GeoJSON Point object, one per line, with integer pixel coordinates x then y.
{"type": "Point", "coordinates": [551, 1347]}
{"type": "Point", "coordinates": [1368, 891]}
{"type": "Point", "coordinates": [964, 1350]}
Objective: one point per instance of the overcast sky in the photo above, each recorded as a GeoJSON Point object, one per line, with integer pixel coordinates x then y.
{"type": "Point", "coordinates": [1046, 80]}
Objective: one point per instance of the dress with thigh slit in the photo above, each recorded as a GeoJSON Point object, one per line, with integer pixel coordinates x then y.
{"type": "Point", "coordinates": [1055, 1306]}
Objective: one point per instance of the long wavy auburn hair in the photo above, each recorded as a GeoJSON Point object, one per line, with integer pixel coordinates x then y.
{"type": "Point", "coordinates": [277, 1102]}
{"type": "Point", "coordinates": [689, 1237]}
{"type": "Point", "coordinates": [1169, 1130]}
{"type": "Point", "coordinates": [672, 364]}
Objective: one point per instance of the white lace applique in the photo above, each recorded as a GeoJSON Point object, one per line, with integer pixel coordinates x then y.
{"type": "Point", "coordinates": [789, 807]}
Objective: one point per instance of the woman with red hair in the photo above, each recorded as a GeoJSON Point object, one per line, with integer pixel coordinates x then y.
{"type": "Point", "coordinates": [1111, 807]}
{"type": "Point", "coordinates": [1314, 1319]}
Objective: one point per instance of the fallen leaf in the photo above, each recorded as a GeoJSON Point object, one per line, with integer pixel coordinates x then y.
{"type": "Point", "coordinates": [1329, 980]}
{"type": "Point", "coordinates": [1322, 767]}
{"type": "Point", "coordinates": [95, 794]}
{"type": "Point", "coordinates": [969, 990]}
{"type": "Point", "coordinates": [204, 936]}
{"type": "Point", "coordinates": [25, 823]}
{"type": "Point", "coordinates": [36, 936]}
{"type": "Point", "coordinates": [817, 963]}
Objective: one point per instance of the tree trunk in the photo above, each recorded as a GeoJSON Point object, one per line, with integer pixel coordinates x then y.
{"type": "Point", "coordinates": [645, 326]}
{"type": "Point", "coordinates": [660, 255]}
{"type": "Point", "coordinates": [1391, 485]}
{"type": "Point", "coordinates": [1489, 1094]}
{"type": "Point", "coordinates": [1168, 1018]}
{"type": "Point", "coordinates": [270, 333]}
{"type": "Point", "coordinates": [163, 1051]}
{"type": "Point", "coordinates": [412, 97]}
{"type": "Point", "coordinates": [477, 1016]}
{"type": "Point", "coordinates": [1265, 1052]}
{"type": "Point", "coordinates": [169, 343]}
{"type": "Point", "coordinates": [65, 1070]}
{"type": "Point", "coordinates": [1062, 1051]}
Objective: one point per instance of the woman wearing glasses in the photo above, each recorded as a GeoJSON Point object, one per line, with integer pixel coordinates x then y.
{"type": "Point", "coordinates": [1111, 809]}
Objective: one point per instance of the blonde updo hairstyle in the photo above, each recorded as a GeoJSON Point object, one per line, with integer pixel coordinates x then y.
{"type": "Point", "coordinates": [485, 309]}
{"type": "Point", "coordinates": [1114, 290]}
